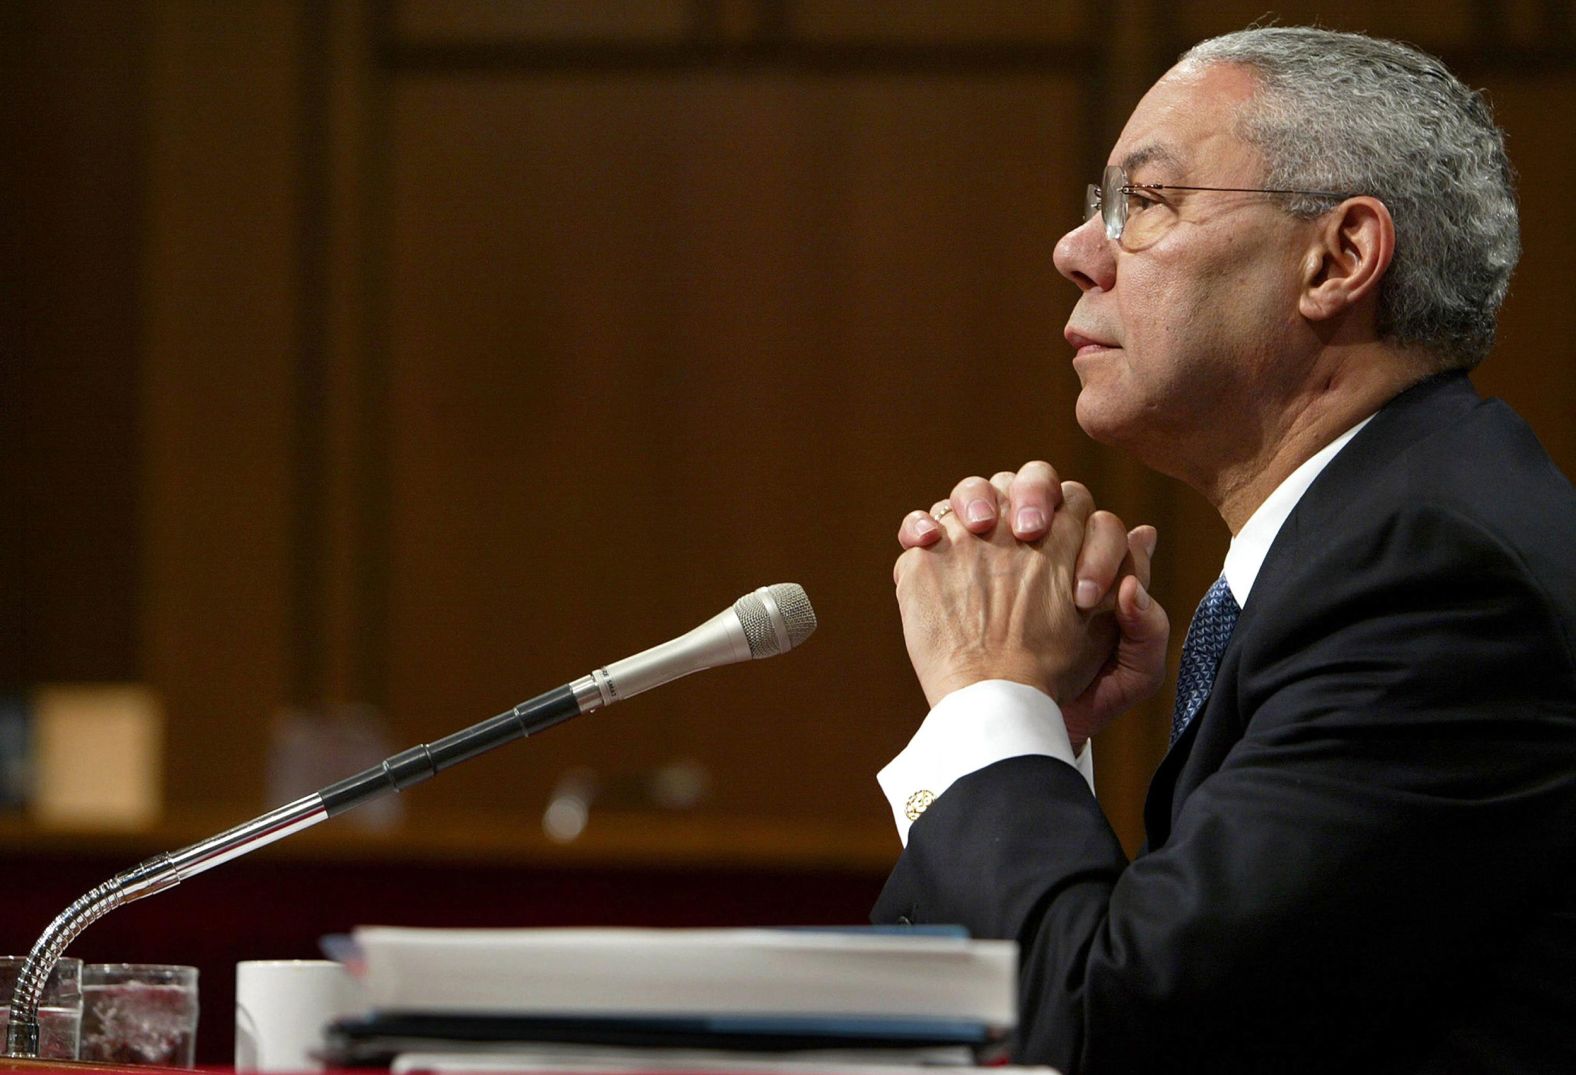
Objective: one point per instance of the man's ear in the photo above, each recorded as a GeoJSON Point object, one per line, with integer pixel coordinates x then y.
{"type": "Point", "coordinates": [1348, 256]}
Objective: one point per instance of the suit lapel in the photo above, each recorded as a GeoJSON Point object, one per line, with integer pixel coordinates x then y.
{"type": "Point", "coordinates": [1203, 745]}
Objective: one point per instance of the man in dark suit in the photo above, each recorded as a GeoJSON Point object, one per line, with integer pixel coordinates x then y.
{"type": "Point", "coordinates": [1361, 847]}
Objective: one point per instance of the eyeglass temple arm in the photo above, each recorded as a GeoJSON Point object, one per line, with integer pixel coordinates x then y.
{"type": "Point", "coordinates": [1129, 188]}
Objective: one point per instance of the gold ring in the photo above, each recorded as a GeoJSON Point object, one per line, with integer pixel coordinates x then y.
{"type": "Point", "coordinates": [941, 512]}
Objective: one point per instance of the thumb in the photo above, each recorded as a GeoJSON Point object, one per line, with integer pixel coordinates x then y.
{"type": "Point", "coordinates": [1139, 615]}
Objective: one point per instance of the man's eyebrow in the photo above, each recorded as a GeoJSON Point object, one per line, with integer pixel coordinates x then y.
{"type": "Point", "coordinates": [1153, 153]}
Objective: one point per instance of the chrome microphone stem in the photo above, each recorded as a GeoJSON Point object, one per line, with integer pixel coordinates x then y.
{"type": "Point", "coordinates": [244, 839]}
{"type": "Point", "coordinates": [146, 878]}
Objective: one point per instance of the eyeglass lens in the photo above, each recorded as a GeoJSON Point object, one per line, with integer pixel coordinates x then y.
{"type": "Point", "coordinates": [1113, 203]}
{"type": "Point", "coordinates": [1108, 200]}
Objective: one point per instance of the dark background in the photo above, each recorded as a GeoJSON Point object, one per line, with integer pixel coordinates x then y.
{"type": "Point", "coordinates": [427, 355]}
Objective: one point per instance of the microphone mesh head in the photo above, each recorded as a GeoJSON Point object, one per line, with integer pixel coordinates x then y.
{"type": "Point", "coordinates": [798, 619]}
{"type": "Point", "coordinates": [796, 610]}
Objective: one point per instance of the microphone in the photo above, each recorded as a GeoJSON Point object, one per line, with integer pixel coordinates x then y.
{"type": "Point", "coordinates": [763, 623]}
{"type": "Point", "coordinates": [769, 621]}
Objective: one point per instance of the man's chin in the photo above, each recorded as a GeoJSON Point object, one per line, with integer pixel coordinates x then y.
{"type": "Point", "coordinates": [1100, 421]}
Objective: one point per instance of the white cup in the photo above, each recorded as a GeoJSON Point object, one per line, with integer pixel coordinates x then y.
{"type": "Point", "coordinates": [282, 1007]}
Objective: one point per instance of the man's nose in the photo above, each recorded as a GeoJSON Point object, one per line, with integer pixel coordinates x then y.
{"type": "Point", "coordinates": [1086, 257]}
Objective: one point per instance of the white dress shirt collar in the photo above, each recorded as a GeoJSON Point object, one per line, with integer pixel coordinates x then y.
{"type": "Point", "coordinates": [1252, 543]}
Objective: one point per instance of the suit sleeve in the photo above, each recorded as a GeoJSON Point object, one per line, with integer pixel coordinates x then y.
{"type": "Point", "coordinates": [1402, 762]}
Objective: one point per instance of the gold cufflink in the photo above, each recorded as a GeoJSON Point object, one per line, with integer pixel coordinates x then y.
{"type": "Point", "coordinates": [918, 803]}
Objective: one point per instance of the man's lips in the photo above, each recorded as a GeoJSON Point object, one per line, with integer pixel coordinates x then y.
{"type": "Point", "coordinates": [1085, 344]}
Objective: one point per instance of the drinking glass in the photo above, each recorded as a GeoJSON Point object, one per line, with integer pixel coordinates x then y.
{"type": "Point", "coordinates": [139, 1013]}
{"type": "Point", "coordinates": [59, 1009]}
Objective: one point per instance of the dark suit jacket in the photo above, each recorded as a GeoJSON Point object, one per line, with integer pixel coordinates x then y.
{"type": "Point", "coordinates": [1360, 855]}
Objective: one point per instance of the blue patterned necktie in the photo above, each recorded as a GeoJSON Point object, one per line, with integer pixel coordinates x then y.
{"type": "Point", "coordinates": [1206, 640]}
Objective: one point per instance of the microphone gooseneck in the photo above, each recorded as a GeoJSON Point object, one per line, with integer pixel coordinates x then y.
{"type": "Point", "coordinates": [764, 623]}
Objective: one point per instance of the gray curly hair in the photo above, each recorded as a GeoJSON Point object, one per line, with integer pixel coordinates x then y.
{"type": "Point", "coordinates": [1342, 111]}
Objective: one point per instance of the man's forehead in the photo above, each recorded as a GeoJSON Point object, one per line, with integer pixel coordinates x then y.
{"type": "Point", "coordinates": [1191, 111]}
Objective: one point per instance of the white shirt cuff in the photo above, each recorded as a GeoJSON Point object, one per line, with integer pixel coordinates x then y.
{"type": "Point", "coordinates": [971, 728]}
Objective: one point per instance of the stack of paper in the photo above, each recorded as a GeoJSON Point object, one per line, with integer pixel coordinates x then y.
{"type": "Point", "coordinates": [868, 995]}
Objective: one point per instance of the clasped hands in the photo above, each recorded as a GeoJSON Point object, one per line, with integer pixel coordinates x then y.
{"type": "Point", "coordinates": [1020, 578]}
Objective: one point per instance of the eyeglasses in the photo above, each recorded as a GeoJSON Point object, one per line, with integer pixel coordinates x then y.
{"type": "Point", "coordinates": [1110, 199]}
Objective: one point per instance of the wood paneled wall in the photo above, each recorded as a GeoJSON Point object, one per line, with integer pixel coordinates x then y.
{"type": "Point", "coordinates": [436, 353]}
{"type": "Point", "coordinates": [71, 436]}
